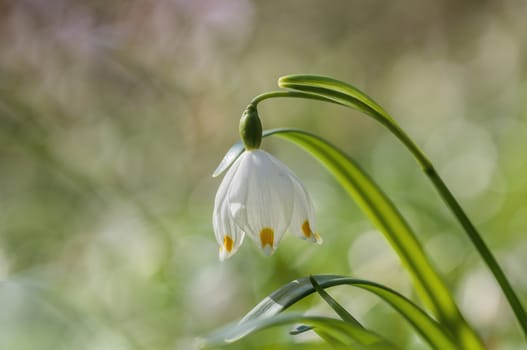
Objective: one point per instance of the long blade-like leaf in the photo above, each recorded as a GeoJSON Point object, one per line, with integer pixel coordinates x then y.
{"type": "Point", "coordinates": [342, 332]}
{"type": "Point", "coordinates": [339, 309]}
{"type": "Point", "coordinates": [347, 95]}
{"type": "Point", "coordinates": [337, 91]}
{"type": "Point", "coordinates": [387, 218]}
{"type": "Point", "coordinates": [298, 289]}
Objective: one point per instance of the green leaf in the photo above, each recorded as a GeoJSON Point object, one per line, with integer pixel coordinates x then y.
{"type": "Point", "coordinates": [381, 211]}
{"type": "Point", "coordinates": [298, 289]}
{"type": "Point", "coordinates": [341, 332]}
{"type": "Point", "coordinates": [337, 91]}
{"type": "Point", "coordinates": [345, 94]}
{"type": "Point", "coordinates": [339, 309]}
{"type": "Point", "coordinates": [300, 329]}
{"type": "Point", "coordinates": [348, 95]}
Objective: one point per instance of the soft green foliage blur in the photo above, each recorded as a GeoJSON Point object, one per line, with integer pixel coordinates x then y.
{"type": "Point", "coordinates": [113, 116]}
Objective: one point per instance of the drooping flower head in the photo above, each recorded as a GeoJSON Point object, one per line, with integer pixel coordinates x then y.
{"type": "Point", "coordinates": [260, 197]}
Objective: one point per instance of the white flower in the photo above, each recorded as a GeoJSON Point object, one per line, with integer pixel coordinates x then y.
{"type": "Point", "coordinates": [259, 196]}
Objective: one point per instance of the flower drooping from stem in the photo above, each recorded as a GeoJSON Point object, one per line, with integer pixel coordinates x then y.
{"type": "Point", "coordinates": [260, 197]}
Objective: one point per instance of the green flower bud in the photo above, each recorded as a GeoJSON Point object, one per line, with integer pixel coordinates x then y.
{"type": "Point", "coordinates": [251, 128]}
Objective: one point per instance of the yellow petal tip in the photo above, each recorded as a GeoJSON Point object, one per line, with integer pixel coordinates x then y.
{"type": "Point", "coordinates": [267, 240]}
{"type": "Point", "coordinates": [228, 243]}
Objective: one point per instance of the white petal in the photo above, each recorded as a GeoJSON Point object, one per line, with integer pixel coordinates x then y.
{"type": "Point", "coordinates": [228, 235]}
{"type": "Point", "coordinates": [261, 198]}
{"type": "Point", "coordinates": [225, 184]}
{"type": "Point", "coordinates": [218, 216]}
{"type": "Point", "coordinates": [303, 218]}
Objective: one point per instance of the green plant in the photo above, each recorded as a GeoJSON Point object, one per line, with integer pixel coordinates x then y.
{"type": "Point", "coordinates": [447, 328]}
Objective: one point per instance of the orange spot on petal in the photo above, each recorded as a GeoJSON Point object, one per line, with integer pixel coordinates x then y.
{"type": "Point", "coordinates": [267, 237]}
{"type": "Point", "coordinates": [228, 243]}
{"type": "Point", "coordinates": [306, 229]}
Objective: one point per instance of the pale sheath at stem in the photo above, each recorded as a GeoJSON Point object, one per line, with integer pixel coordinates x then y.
{"type": "Point", "coordinates": [259, 196]}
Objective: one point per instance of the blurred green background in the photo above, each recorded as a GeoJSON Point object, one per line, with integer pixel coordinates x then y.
{"type": "Point", "coordinates": [113, 116]}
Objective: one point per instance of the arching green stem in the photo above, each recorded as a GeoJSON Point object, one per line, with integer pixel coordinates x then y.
{"type": "Point", "coordinates": [285, 93]}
